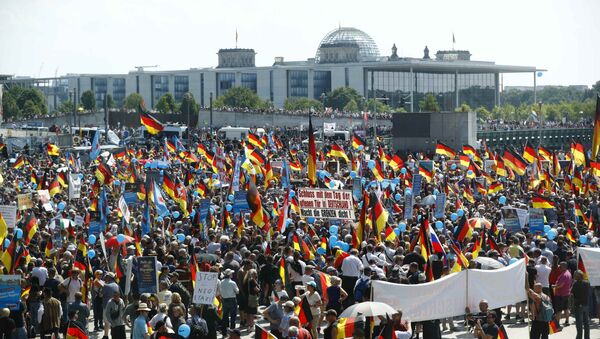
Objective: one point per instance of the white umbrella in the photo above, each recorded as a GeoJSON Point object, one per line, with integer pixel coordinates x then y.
{"type": "Point", "coordinates": [368, 309]}
{"type": "Point", "coordinates": [489, 263]}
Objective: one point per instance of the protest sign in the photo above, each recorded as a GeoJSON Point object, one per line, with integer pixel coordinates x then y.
{"type": "Point", "coordinates": [324, 203]}
{"type": "Point", "coordinates": [74, 186]}
{"type": "Point", "coordinates": [523, 216]}
{"type": "Point", "coordinates": [204, 206]}
{"type": "Point", "coordinates": [43, 196]}
{"type": "Point", "coordinates": [206, 288]}
{"type": "Point", "coordinates": [147, 276]}
{"type": "Point", "coordinates": [24, 201]}
{"type": "Point", "coordinates": [591, 261]}
{"type": "Point", "coordinates": [357, 188]}
{"type": "Point", "coordinates": [536, 220]}
{"type": "Point", "coordinates": [9, 213]}
{"type": "Point", "coordinates": [416, 188]}
{"type": "Point", "coordinates": [131, 198]}
{"type": "Point", "coordinates": [440, 204]}
{"type": "Point", "coordinates": [95, 227]}
{"type": "Point", "coordinates": [10, 291]}
{"type": "Point", "coordinates": [78, 220]}
{"type": "Point", "coordinates": [511, 219]}
{"type": "Point", "coordinates": [240, 201]}
{"type": "Point", "coordinates": [408, 206]}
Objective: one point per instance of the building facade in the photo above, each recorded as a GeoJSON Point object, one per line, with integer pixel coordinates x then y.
{"type": "Point", "coordinates": [346, 57]}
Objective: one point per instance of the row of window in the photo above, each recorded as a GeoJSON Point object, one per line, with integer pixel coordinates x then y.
{"type": "Point", "coordinates": [100, 88]}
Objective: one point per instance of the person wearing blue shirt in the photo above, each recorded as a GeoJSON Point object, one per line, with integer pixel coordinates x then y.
{"type": "Point", "coordinates": [140, 325]}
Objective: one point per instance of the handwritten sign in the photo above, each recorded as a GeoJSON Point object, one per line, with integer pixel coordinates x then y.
{"type": "Point", "coordinates": [74, 186]}
{"type": "Point", "coordinates": [24, 201]}
{"type": "Point", "coordinates": [9, 213]}
{"type": "Point", "coordinates": [206, 288]}
{"type": "Point", "coordinates": [324, 203]}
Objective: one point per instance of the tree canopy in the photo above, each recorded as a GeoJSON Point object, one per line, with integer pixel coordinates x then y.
{"type": "Point", "coordinates": [133, 101]}
{"type": "Point", "coordinates": [20, 103]}
{"type": "Point", "coordinates": [188, 101]}
{"type": "Point", "coordinates": [340, 97]}
{"type": "Point", "coordinates": [302, 104]}
{"type": "Point", "coordinates": [166, 104]}
{"type": "Point", "coordinates": [88, 100]}
{"type": "Point", "coordinates": [429, 103]}
{"type": "Point", "coordinates": [241, 97]}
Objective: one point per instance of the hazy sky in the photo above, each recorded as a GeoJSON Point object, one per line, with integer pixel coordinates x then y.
{"type": "Point", "coordinates": [39, 37]}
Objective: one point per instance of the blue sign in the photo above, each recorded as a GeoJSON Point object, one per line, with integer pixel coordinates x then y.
{"type": "Point", "coordinates": [536, 220]}
{"type": "Point", "coordinates": [10, 291]}
{"type": "Point", "coordinates": [240, 201]}
{"type": "Point", "coordinates": [95, 228]}
{"type": "Point", "coordinates": [416, 186]}
{"type": "Point", "coordinates": [147, 275]}
{"type": "Point", "coordinates": [440, 204]}
{"type": "Point", "coordinates": [204, 206]}
{"type": "Point", "coordinates": [357, 189]}
{"type": "Point", "coordinates": [511, 220]}
{"type": "Point", "coordinates": [131, 198]}
{"type": "Point", "coordinates": [408, 206]}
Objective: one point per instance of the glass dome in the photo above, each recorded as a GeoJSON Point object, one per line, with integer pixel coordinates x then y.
{"type": "Point", "coordinates": [368, 50]}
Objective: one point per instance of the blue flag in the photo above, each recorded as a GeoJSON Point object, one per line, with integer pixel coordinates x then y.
{"type": "Point", "coordinates": [95, 150]}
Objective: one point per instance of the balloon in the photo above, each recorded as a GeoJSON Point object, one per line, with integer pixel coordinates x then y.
{"type": "Point", "coordinates": [502, 200]}
{"type": "Point", "coordinates": [175, 214]}
{"type": "Point", "coordinates": [228, 207]}
{"type": "Point", "coordinates": [453, 216]}
{"type": "Point", "coordinates": [333, 230]}
{"type": "Point", "coordinates": [6, 243]}
{"type": "Point", "coordinates": [19, 233]}
{"type": "Point", "coordinates": [61, 205]}
{"type": "Point", "coordinates": [403, 170]}
{"type": "Point", "coordinates": [332, 184]}
{"type": "Point", "coordinates": [552, 234]}
{"type": "Point", "coordinates": [397, 196]}
{"type": "Point", "coordinates": [397, 231]}
{"type": "Point", "coordinates": [133, 159]}
{"type": "Point", "coordinates": [91, 254]}
{"type": "Point", "coordinates": [360, 205]}
{"type": "Point", "coordinates": [361, 147]}
{"type": "Point", "coordinates": [120, 238]}
{"type": "Point", "coordinates": [311, 220]}
{"type": "Point", "coordinates": [512, 261]}
{"type": "Point", "coordinates": [460, 212]}
{"type": "Point", "coordinates": [439, 225]}
{"type": "Point", "coordinates": [352, 174]}
{"type": "Point", "coordinates": [436, 192]}
{"type": "Point", "coordinates": [583, 239]}
{"type": "Point", "coordinates": [161, 172]}
{"type": "Point", "coordinates": [402, 227]}
{"type": "Point", "coordinates": [547, 228]}
{"type": "Point", "coordinates": [407, 191]}
{"type": "Point", "coordinates": [193, 213]}
{"type": "Point", "coordinates": [292, 194]}
{"type": "Point", "coordinates": [469, 172]}
{"type": "Point", "coordinates": [230, 197]}
{"type": "Point", "coordinates": [371, 164]}
{"type": "Point", "coordinates": [395, 181]}
{"type": "Point", "coordinates": [159, 218]}
{"type": "Point", "coordinates": [34, 185]}
{"type": "Point", "coordinates": [215, 176]}
{"type": "Point", "coordinates": [184, 330]}
{"type": "Point", "coordinates": [345, 247]}
{"type": "Point", "coordinates": [118, 182]}
{"type": "Point", "coordinates": [321, 250]}
{"type": "Point", "coordinates": [195, 193]}
{"type": "Point", "coordinates": [180, 237]}
{"type": "Point", "coordinates": [92, 239]}
{"type": "Point", "coordinates": [81, 176]}
{"type": "Point", "coordinates": [363, 181]}
{"type": "Point", "coordinates": [453, 167]}
{"type": "Point", "coordinates": [333, 239]}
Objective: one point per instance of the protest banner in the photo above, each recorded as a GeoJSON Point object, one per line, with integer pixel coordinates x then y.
{"type": "Point", "coordinates": [357, 188]}
{"type": "Point", "coordinates": [206, 288]}
{"type": "Point", "coordinates": [536, 220]}
{"type": "Point", "coordinates": [9, 213]}
{"type": "Point", "coordinates": [204, 207]}
{"type": "Point", "coordinates": [147, 276]}
{"type": "Point", "coordinates": [74, 186]}
{"type": "Point", "coordinates": [131, 198]}
{"type": "Point", "coordinates": [591, 261]}
{"type": "Point", "coordinates": [10, 291]}
{"type": "Point", "coordinates": [510, 219]}
{"type": "Point", "coordinates": [24, 201]}
{"type": "Point", "coordinates": [324, 203]}
{"type": "Point", "coordinates": [95, 227]}
{"type": "Point", "coordinates": [416, 188]}
{"type": "Point", "coordinates": [240, 201]}
{"type": "Point", "coordinates": [440, 205]}
{"type": "Point", "coordinates": [408, 206]}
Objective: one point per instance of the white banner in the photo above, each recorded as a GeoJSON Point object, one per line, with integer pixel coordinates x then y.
{"type": "Point", "coordinates": [591, 261]}
{"type": "Point", "coordinates": [328, 126]}
{"type": "Point", "coordinates": [9, 213]}
{"type": "Point", "coordinates": [448, 297]}
{"type": "Point", "coordinates": [124, 209]}
{"type": "Point", "coordinates": [74, 186]}
{"type": "Point", "coordinates": [324, 203]}
{"type": "Point", "coordinates": [206, 288]}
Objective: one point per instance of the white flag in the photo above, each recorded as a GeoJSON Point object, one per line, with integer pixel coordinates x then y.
{"type": "Point", "coordinates": [123, 208]}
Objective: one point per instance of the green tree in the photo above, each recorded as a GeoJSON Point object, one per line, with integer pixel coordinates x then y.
{"type": "Point", "coordinates": [351, 106]}
{"type": "Point", "coordinates": [110, 102]}
{"type": "Point", "coordinates": [302, 104]}
{"type": "Point", "coordinates": [340, 97]}
{"type": "Point", "coordinates": [166, 104]}
{"type": "Point", "coordinates": [88, 100]}
{"type": "Point", "coordinates": [483, 113]}
{"type": "Point", "coordinates": [242, 97]}
{"type": "Point", "coordinates": [30, 109]}
{"type": "Point", "coordinates": [378, 105]}
{"type": "Point", "coordinates": [464, 108]}
{"type": "Point", "coordinates": [133, 101]}
{"type": "Point", "coordinates": [429, 103]}
{"type": "Point", "coordinates": [65, 107]}
{"type": "Point", "coordinates": [9, 105]}
{"type": "Point", "coordinates": [19, 102]}
{"type": "Point", "coordinates": [400, 110]}
{"type": "Point", "coordinates": [188, 101]}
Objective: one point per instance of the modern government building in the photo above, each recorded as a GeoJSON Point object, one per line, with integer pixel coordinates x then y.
{"type": "Point", "coordinates": [345, 57]}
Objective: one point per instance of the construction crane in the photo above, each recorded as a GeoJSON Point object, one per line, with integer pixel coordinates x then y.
{"type": "Point", "coordinates": [141, 68]}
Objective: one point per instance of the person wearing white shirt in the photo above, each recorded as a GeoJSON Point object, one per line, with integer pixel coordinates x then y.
{"type": "Point", "coordinates": [40, 272]}
{"type": "Point", "coordinates": [228, 290]}
{"type": "Point", "coordinates": [164, 295]}
{"type": "Point", "coordinates": [351, 268]}
{"type": "Point", "coordinates": [543, 273]}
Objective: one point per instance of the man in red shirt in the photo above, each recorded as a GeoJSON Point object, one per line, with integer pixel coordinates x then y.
{"type": "Point", "coordinates": [561, 293]}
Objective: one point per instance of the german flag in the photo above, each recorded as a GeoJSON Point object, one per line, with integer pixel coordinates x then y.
{"type": "Point", "coordinates": [254, 140]}
{"type": "Point", "coordinates": [153, 126]}
{"type": "Point", "coordinates": [312, 155]}
{"type": "Point", "coordinates": [52, 149]}
{"type": "Point", "coordinates": [465, 161]}
{"type": "Point", "coordinates": [75, 332]}
{"type": "Point", "coordinates": [553, 327]}
{"type": "Point", "coordinates": [595, 168]}
{"type": "Point", "coordinates": [345, 328]}
{"type": "Point", "coordinates": [445, 150]}
{"type": "Point", "coordinates": [54, 188]}
{"type": "Point", "coordinates": [492, 242]}
{"type": "Point", "coordinates": [357, 141]}
{"type": "Point", "coordinates": [555, 165]}
{"type": "Point", "coordinates": [303, 312]}
{"type": "Point", "coordinates": [81, 254]}
{"type": "Point", "coordinates": [502, 332]}
{"type": "Point", "coordinates": [254, 201]}
{"type": "Point", "coordinates": [257, 158]}
{"type": "Point", "coordinates": [18, 163]}
{"type": "Point", "coordinates": [338, 152]}
{"type": "Point", "coordinates": [29, 225]}
{"type": "Point", "coordinates": [103, 174]}
{"type": "Point", "coordinates": [379, 217]}
{"type": "Point", "coordinates": [495, 187]}
{"type": "Point", "coordinates": [468, 195]}
{"type": "Point", "coordinates": [201, 149]}
{"type": "Point", "coordinates": [169, 185]}
{"type": "Point", "coordinates": [390, 234]}
{"type": "Point", "coordinates": [500, 169]}
{"type": "Point", "coordinates": [461, 260]}
{"type": "Point", "coordinates": [529, 154]}
{"type": "Point", "coordinates": [596, 137]}
{"type": "Point", "coordinates": [377, 171]}
{"type": "Point", "coordinates": [581, 267]}
{"type": "Point", "coordinates": [469, 150]}
{"type": "Point", "coordinates": [475, 170]}
{"type": "Point", "coordinates": [261, 333]}
{"type": "Point", "coordinates": [463, 230]}
{"type": "Point", "coordinates": [362, 222]}
{"type": "Point", "coordinates": [218, 306]}
{"type": "Point", "coordinates": [339, 258]}
{"type": "Point", "coordinates": [282, 274]}
{"type": "Point", "coordinates": [295, 165]}
{"type": "Point", "coordinates": [515, 162]}
{"type": "Point", "coordinates": [544, 153]}
{"type": "Point", "coordinates": [62, 179]}
{"type": "Point", "coordinates": [539, 201]}
{"type": "Point", "coordinates": [9, 256]}
{"type": "Point", "coordinates": [569, 235]}
{"type": "Point", "coordinates": [396, 163]}
{"type": "Point", "coordinates": [578, 152]}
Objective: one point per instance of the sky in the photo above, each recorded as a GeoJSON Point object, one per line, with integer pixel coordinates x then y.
{"type": "Point", "coordinates": [41, 38]}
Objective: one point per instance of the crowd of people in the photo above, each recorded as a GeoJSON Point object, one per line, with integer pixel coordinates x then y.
{"type": "Point", "coordinates": [298, 274]}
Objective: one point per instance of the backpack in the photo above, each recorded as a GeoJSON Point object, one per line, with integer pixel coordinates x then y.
{"type": "Point", "coordinates": [361, 289]}
{"type": "Point", "coordinates": [546, 312]}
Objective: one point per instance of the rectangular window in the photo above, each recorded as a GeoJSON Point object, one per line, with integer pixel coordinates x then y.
{"type": "Point", "coordinates": [321, 83]}
{"type": "Point", "coordinates": [182, 86]}
{"type": "Point", "coordinates": [118, 91]}
{"type": "Point", "coordinates": [224, 82]}
{"type": "Point", "coordinates": [249, 81]}
{"type": "Point", "coordinates": [160, 86]}
{"type": "Point", "coordinates": [298, 84]}
{"type": "Point", "coordinates": [99, 86]}
{"type": "Point", "coordinates": [477, 90]}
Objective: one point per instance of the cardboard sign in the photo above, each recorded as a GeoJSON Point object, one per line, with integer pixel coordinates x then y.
{"type": "Point", "coordinates": [9, 213]}
{"type": "Point", "coordinates": [24, 201]}
{"type": "Point", "coordinates": [147, 276]}
{"type": "Point", "coordinates": [206, 288]}
{"type": "Point", "coordinates": [324, 203]}
{"type": "Point", "coordinates": [74, 186]}
{"type": "Point", "coordinates": [10, 291]}
{"type": "Point", "coordinates": [43, 196]}
{"type": "Point", "coordinates": [536, 220]}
